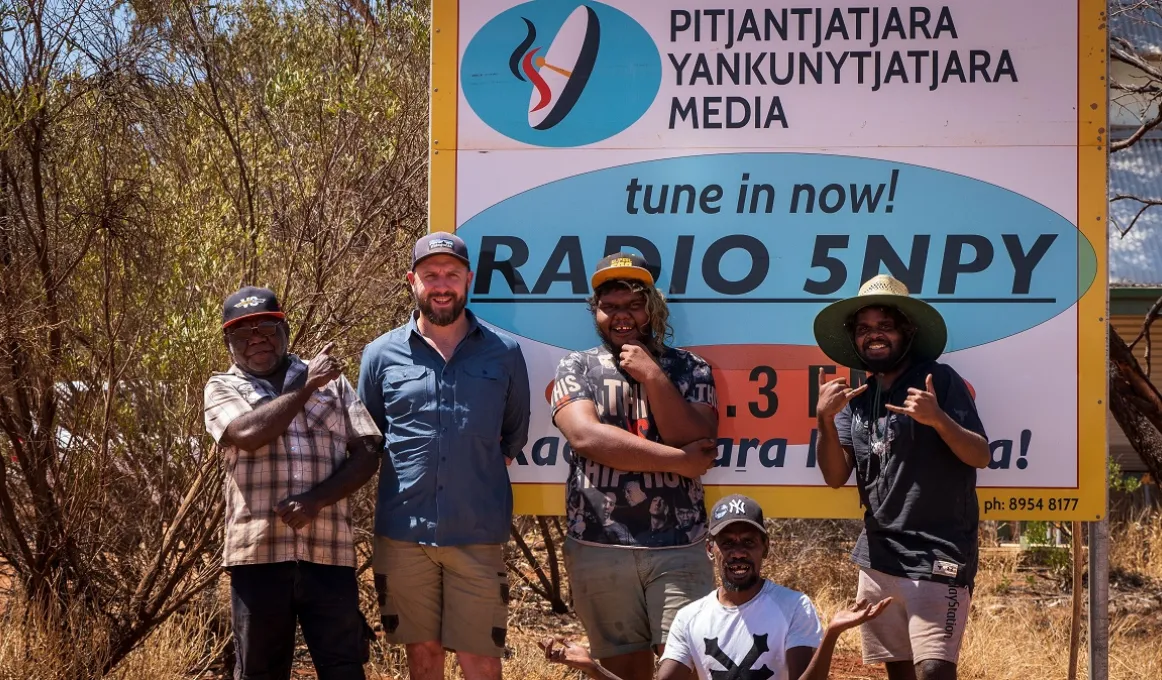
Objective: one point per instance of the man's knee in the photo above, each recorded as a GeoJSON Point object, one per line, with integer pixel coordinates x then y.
{"type": "Point", "coordinates": [935, 669]}
{"type": "Point", "coordinates": [477, 667]}
{"type": "Point", "coordinates": [900, 670]}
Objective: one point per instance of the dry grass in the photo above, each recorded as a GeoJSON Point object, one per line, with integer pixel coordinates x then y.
{"type": "Point", "coordinates": [1018, 630]}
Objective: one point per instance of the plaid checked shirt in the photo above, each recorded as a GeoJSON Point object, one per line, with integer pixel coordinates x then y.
{"type": "Point", "coordinates": [311, 449]}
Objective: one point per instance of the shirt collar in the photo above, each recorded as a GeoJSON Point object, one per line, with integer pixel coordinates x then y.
{"type": "Point", "coordinates": [473, 324]}
{"type": "Point", "coordinates": [297, 367]}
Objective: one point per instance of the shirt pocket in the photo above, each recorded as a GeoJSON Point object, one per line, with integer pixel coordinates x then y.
{"type": "Point", "coordinates": [407, 397]}
{"type": "Point", "coordinates": [480, 400]}
{"type": "Point", "coordinates": [326, 423]}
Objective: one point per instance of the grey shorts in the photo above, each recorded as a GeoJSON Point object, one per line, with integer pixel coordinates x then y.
{"type": "Point", "coordinates": [926, 619]}
{"type": "Point", "coordinates": [457, 595]}
{"type": "Point", "coordinates": [626, 598]}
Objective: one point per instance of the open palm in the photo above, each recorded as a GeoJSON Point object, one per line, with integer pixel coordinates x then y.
{"type": "Point", "coordinates": [859, 613]}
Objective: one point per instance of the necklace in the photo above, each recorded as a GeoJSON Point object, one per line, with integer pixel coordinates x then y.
{"type": "Point", "coordinates": [880, 442]}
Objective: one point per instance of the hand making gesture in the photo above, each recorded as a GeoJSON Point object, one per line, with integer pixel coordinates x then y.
{"type": "Point", "coordinates": [921, 405]}
{"type": "Point", "coordinates": [323, 368]}
{"type": "Point", "coordinates": [834, 395]}
{"type": "Point", "coordinates": [858, 614]}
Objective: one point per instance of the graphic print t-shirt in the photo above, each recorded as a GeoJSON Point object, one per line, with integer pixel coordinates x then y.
{"type": "Point", "coordinates": [750, 641]}
{"type": "Point", "coordinates": [621, 507]}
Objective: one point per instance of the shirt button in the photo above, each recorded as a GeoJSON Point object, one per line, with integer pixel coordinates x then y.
{"type": "Point", "coordinates": [440, 488]}
{"type": "Point", "coordinates": [443, 459]}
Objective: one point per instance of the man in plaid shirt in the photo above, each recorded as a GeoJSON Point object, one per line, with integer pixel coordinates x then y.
{"type": "Point", "coordinates": [297, 441]}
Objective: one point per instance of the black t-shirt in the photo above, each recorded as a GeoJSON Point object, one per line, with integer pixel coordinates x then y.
{"type": "Point", "coordinates": [921, 514]}
{"type": "Point", "coordinates": [629, 508]}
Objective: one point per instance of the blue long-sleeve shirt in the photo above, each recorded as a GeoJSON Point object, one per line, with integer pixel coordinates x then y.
{"type": "Point", "coordinates": [448, 429]}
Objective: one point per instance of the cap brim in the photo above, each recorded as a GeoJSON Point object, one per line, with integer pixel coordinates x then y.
{"type": "Point", "coordinates": [632, 273]}
{"type": "Point", "coordinates": [928, 344]}
{"type": "Point", "coordinates": [231, 322]}
{"type": "Point", "coordinates": [718, 528]}
{"type": "Point", "coordinates": [442, 252]}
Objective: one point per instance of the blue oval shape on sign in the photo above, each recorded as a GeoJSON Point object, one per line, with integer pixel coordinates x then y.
{"type": "Point", "coordinates": [558, 73]}
{"type": "Point", "coordinates": [751, 246]}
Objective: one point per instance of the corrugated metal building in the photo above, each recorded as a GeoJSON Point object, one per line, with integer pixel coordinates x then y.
{"type": "Point", "coordinates": [1135, 232]}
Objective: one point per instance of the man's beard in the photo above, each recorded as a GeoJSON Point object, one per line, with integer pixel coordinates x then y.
{"type": "Point", "coordinates": [442, 318]}
{"type": "Point", "coordinates": [735, 587]}
{"type": "Point", "coordinates": [887, 363]}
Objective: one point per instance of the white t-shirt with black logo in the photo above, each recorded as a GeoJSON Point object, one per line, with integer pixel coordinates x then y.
{"type": "Point", "coordinates": [751, 641]}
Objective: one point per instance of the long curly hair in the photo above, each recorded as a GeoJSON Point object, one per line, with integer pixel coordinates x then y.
{"type": "Point", "coordinates": [661, 332]}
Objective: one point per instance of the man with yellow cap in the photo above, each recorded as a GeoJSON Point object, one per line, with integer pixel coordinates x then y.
{"type": "Point", "coordinates": [641, 418]}
{"type": "Point", "coordinates": [915, 441]}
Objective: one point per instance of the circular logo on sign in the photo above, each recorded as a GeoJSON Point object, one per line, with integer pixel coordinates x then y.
{"type": "Point", "coordinates": [560, 74]}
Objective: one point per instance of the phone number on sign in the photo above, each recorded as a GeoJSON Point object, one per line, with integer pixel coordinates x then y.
{"type": "Point", "coordinates": [1052, 504]}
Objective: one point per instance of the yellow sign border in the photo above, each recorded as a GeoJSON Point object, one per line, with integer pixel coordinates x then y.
{"type": "Point", "coordinates": [1087, 502]}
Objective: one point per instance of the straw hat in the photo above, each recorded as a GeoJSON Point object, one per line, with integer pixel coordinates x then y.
{"type": "Point", "coordinates": [831, 332]}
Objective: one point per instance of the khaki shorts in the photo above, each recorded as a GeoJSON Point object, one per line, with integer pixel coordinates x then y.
{"type": "Point", "coordinates": [457, 595]}
{"type": "Point", "coordinates": [626, 598]}
{"type": "Point", "coordinates": [926, 619]}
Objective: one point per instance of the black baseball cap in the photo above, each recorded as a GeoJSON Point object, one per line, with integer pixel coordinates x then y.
{"type": "Point", "coordinates": [250, 301]}
{"type": "Point", "coordinates": [622, 266]}
{"type": "Point", "coordinates": [736, 508]}
{"type": "Point", "coordinates": [440, 243]}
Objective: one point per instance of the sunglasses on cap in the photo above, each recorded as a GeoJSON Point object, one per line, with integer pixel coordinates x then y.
{"type": "Point", "coordinates": [263, 328]}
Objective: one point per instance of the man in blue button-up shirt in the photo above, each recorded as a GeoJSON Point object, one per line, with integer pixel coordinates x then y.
{"type": "Point", "coordinates": [452, 399]}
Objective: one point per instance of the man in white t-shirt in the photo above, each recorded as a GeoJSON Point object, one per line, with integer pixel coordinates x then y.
{"type": "Point", "coordinates": [747, 629]}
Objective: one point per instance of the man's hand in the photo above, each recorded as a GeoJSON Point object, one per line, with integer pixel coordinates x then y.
{"type": "Point", "coordinates": [638, 363]}
{"type": "Point", "coordinates": [562, 651]}
{"type": "Point", "coordinates": [834, 395]}
{"type": "Point", "coordinates": [700, 456]}
{"type": "Point", "coordinates": [323, 368]}
{"type": "Point", "coordinates": [297, 511]}
{"type": "Point", "coordinates": [921, 405]}
{"type": "Point", "coordinates": [858, 614]}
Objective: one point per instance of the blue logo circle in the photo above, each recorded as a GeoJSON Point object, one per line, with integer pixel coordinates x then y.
{"type": "Point", "coordinates": [561, 73]}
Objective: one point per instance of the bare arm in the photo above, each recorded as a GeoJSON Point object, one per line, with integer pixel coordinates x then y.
{"type": "Point", "coordinates": [924, 408]}
{"type": "Point", "coordinates": [614, 447]}
{"type": "Point", "coordinates": [807, 663]}
{"type": "Point", "coordinates": [836, 461]}
{"type": "Point", "coordinates": [968, 446]}
{"type": "Point", "coordinates": [573, 655]}
{"type": "Point", "coordinates": [251, 431]}
{"type": "Point", "coordinates": [362, 462]}
{"type": "Point", "coordinates": [675, 670]}
{"type": "Point", "coordinates": [255, 429]}
{"type": "Point", "coordinates": [679, 422]}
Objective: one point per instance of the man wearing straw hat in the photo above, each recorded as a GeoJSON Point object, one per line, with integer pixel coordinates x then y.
{"type": "Point", "coordinates": [915, 441]}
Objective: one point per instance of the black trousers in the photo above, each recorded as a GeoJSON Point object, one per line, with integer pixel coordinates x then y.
{"type": "Point", "coordinates": [266, 600]}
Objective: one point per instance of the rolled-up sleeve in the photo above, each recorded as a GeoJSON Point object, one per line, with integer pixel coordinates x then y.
{"type": "Point", "coordinates": [371, 388]}
{"type": "Point", "coordinates": [359, 420]}
{"type": "Point", "coordinates": [514, 432]}
{"type": "Point", "coordinates": [222, 405]}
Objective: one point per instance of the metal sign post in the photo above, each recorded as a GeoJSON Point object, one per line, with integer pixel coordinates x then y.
{"type": "Point", "coordinates": [1099, 599]}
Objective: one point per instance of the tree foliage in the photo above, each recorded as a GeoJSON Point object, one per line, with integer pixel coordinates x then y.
{"type": "Point", "coordinates": [155, 155]}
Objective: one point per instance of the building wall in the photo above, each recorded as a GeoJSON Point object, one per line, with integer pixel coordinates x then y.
{"type": "Point", "coordinates": [1128, 326]}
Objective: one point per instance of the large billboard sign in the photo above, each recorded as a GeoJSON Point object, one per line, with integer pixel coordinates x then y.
{"type": "Point", "coordinates": [770, 157]}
